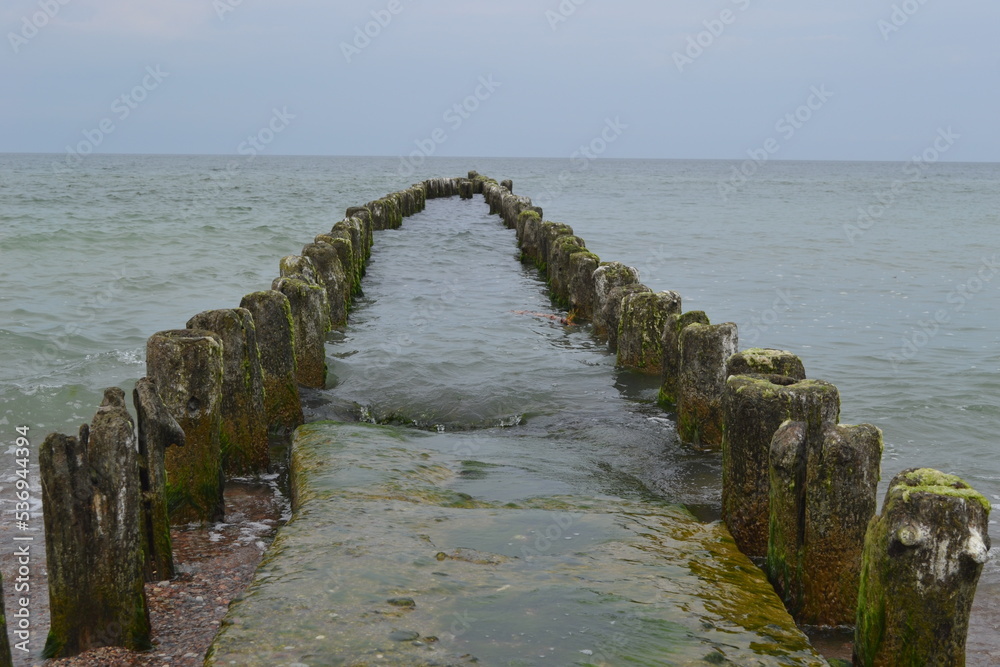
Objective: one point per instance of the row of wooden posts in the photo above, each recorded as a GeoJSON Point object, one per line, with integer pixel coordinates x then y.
{"type": "Point", "coordinates": [798, 486]}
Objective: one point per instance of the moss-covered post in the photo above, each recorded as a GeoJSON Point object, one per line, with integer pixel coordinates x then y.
{"type": "Point", "coordinates": [922, 560]}
{"type": "Point", "coordinates": [243, 443]}
{"type": "Point", "coordinates": [5, 659]}
{"type": "Point", "coordinates": [822, 496]}
{"type": "Point", "coordinates": [311, 321]}
{"type": "Point", "coordinates": [326, 259]}
{"type": "Point", "coordinates": [581, 284]}
{"type": "Point", "coordinates": [610, 315]}
{"type": "Point", "coordinates": [90, 502]}
{"type": "Point", "coordinates": [753, 409]}
{"type": "Point", "coordinates": [671, 344]}
{"type": "Point", "coordinates": [766, 361]}
{"type": "Point", "coordinates": [465, 189]}
{"type": "Point", "coordinates": [507, 183]}
{"type": "Point", "coordinates": [608, 276]}
{"type": "Point", "coordinates": [550, 231]}
{"type": "Point", "coordinates": [704, 349]}
{"type": "Point", "coordinates": [351, 264]}
{"type": "Point", "coordinates": [186, 365]}
{"type": "Point", "coordinates": [528, 217]}
{"type": "Point", "coordinates": [560, 251]}
{"type": "Point", "coordinates": [158, 430]}
{"type": "Point", "coordinates": [640, 329]}
{"type": "Point", "coordinates": [272, 314]}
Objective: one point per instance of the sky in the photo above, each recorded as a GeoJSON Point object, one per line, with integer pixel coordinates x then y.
{"type": "Point", "coordinates": [718, 79]}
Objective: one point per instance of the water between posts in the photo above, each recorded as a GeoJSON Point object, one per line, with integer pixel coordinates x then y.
{"type": "Point", "coordinates": [458, 340]}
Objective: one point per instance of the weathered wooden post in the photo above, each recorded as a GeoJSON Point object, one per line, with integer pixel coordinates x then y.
{"type": "Point", "coordinates": [243, 443]}
{"type": "Point", "coordinates": [90, 502]}
{"type": "Point", "coordinates": [5, 658]}
{"type": "Point", "coordinates": [186, 365]}
{"type": "Point", "coordinates": [311, 321]}
{"type": "Point", "coordinates": [581, 291]}
{"type": "Point", "coordinates": [610, 316]}
{"type": "Point", "coordinates": [608, 276]}
{"type": "Point", "coordinates": [766, 361]}
{"type": "Point", "coordinates": [702, 380]}
{"type": "Point", "coordinates": [753, 408]}
{"type": "Point", "coordinates": [272, 315]}
{"type": "Point", "coordinates": [823, 481]}
{"type": "Point", "coordinates": [560, 251]}
{"type": "Point", "coordinates": [507, 183]}
{"type": "Point", "coordinates": [158, 430]}
{"type": "Point", "coordinates": [550, 231]}
{"type": "Point", "coordinates": [529, 217]}
{"type": "Point", "coordinates": [465, 189]}
{"type": "Point", "coordinates": [922, 560]}
{"type": "Point", "coordinates": [326, 259]}
{"type": "Point", "coordinates": [351, 265]}
{"type": "Point", "coordinates": [671, 343]}
{"type": "Point", "coordinates": [640, 329]}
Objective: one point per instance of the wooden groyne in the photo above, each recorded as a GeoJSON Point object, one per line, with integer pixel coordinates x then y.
{"type": "Point", "coordinates": [798, 487]}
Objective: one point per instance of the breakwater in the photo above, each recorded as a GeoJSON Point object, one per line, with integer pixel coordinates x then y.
{"type": "Point", "coordinates": [562, 275]}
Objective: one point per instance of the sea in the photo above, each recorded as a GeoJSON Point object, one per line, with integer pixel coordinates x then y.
{"type": "Point", "coordinates": [884, 277]}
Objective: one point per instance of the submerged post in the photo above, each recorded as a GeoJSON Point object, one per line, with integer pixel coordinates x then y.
{"type": "Point", "coordinates": [243, 443]}
{"type": "Point", "coordinates": [704, 349]}
{"type": "Point", "coordinates": [90, 502]}
{"type": "Point", "coordinates": [753, 409]}
{"type": "Point", "coordinates": [272, 315]}
{"type": "Point", "coordinates": [922, 560]}
{"type": "Point", "coordinates": [158, 430]}
{"type": "Point", "coordinates": [186, 365]}
{"type": "Point", "coordinates": [823, 483]}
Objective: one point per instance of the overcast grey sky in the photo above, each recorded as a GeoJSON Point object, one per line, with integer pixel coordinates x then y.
{"type": "Point", "coordinates": [851, 79]}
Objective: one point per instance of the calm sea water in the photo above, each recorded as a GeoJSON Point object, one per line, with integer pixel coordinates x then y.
{"type": "Point", "coordinates": [883, 277]}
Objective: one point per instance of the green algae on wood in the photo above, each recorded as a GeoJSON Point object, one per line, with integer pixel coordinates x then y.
{"type": "Point", "coordinates": [610, 315]}
{"type": "Point", "coordinates": [753, 408]}
{"type": "Point", "coordinates": [922, 559]}
{"type": "Point", "coordinates": [640, 329]}
{"type": "Point", "coordinates": [376, 519]}
{"type": "Point", "coordinates": [822, 495]}
{"type": "Point", "coordinates": [94, 554]}
{"type": "Point", "coordinates": [704, 349]}
{"type": "Point", "coordinates": [766, 361]}
{"type": "Point", "coordinates": [673, 325]}
{"type": "Point", "coordinates": [558, 263]}
{"type": "Point", "coordinates": [326, 258]}
{"type": "Point", "coordinates": [581, 293]}
{"type": "Point", "coordinates": [311, 320]}
{"type": "Point", "coordinates": [157, 431]}
{"type": "Point", "coordinates": [244, 420]}
{"type": "Point", "coordinates": [272, 314]}
{"type": "Point", "coordinates": [186, 365]}
{"type": "Point", "coordinates": [608, 276]}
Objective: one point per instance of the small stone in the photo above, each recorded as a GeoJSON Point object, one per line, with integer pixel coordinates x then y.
{"type": "Point", "coordinates": [404, 635]}
{"type": "Point", "coordinates": [402, 602]}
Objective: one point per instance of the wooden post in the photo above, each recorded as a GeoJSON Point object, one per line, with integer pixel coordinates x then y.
{"type": "Point", "coordinates": [702, 381]}
{"type": "Point", "coordinates": [272, 314]}
{"type": "Point", "coordinates": [671, 344]}
{"type": "Point", "coordinates": [243, 443]}
{"type": "Point", "coordinates": [608, 276]}
{"type": "Point", "coordinates": [922, 560]}
{"type": "Point", "coordinates": [158, 430]}
{"type": "Point", "coordinates": [90, 502]}
{"type": "Point", "coordinates": [823, 480]}
{"type": "Point", "coordinates": [186, 365]}
{"type": "Point", "coordinates": [640, 329]}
